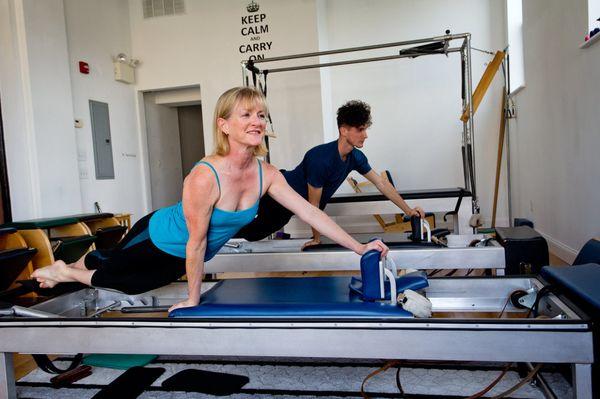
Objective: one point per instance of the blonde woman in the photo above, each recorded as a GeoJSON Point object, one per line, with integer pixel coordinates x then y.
{"type": "Point", "coordinates": [220, 195]}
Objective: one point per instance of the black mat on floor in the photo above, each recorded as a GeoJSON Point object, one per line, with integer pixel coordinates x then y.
{"type": "Point", "coordinates": [131, 383]}
{"type": "Point", "coordinates": [219, 384]}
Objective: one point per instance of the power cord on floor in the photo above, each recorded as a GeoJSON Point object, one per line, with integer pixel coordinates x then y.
{"type": "Point", "coordinates": [380, 370]}
{"type": "Point", "coordinates": [492, 385]}
{"type": "Point", "coordinates": [518, 386]}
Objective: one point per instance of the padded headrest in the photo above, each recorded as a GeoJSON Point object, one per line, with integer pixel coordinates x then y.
{"type": "Point", "coordinates": [590, 253]}
{"type": "Point", "coordinates": [579, 283]}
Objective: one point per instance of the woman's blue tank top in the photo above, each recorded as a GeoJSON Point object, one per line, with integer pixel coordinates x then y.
{"type": "Point", "coordinates": [169, 232]}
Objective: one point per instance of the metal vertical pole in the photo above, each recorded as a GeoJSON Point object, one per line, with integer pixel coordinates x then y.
{"type": "Point", "coordinates": [7, 377]}
{"type": "Point", "coordinates": [244, 74]}
{"type": "Point", "coordinates": [508, 185]}
{"type": "Point", "coordinates": [471, 135]}
{"type": "Point", "coordinates": [246, 82]}
{"type": "Point", "coordinates": [465, 102]}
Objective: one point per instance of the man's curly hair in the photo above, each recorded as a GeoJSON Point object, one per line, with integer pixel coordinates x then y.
{"type": "Point", "coordinates": [354, 113]}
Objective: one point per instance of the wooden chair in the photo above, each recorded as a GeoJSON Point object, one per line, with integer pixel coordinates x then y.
{"type": "Point", "coordinates": [124, 219]}
{"type": "Point", "coordinates": [15, 258]}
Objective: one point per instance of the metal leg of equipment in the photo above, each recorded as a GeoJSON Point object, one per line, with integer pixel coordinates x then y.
{"type": "Point", "coordinates": [582, 381]}
{"type": "Point", "coordinates": [7, 376]}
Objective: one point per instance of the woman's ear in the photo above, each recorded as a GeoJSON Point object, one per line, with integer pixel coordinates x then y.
{"type": "Point", "coordinates": [222, 124]}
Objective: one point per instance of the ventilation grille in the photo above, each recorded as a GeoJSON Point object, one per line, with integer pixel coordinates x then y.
{"type": "Point", "coordinates": [159, 8]}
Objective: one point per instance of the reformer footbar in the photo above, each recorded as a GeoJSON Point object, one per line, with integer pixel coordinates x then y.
{"type": "Point", "coordinates": [379, 282]}
{"type": "Point", "coordinates": [379, 279]}
{"type": "Point", "coordinates": [417, 226]}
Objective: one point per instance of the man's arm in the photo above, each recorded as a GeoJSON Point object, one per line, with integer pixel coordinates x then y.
{"type": "Point", "coordinates": [314, 197]}
{"type": "Point", "coordinates": [286, 196]}
{"type": "Point", "coordinates": [390, 192]}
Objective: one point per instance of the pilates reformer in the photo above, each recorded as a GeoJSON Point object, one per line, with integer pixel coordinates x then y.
{"type": "Point", "coordinates": [286, 255]}
{"type": "Point", "coordinates": [496, 319]}
{"type": "Point", "coordinates": [253, 75]}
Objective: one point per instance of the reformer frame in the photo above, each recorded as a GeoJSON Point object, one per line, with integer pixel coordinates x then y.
{"type": "Point", "coordinates": [426, 47]}
{"type": "Point", "coordinates": [81, 322]}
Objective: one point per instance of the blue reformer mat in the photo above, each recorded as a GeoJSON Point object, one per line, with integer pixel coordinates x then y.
{"type": "Point", "coordinates": [318, 297]}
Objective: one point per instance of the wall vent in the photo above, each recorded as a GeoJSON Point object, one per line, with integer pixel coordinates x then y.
{"type": "Point", "coordinates": [160, 8]}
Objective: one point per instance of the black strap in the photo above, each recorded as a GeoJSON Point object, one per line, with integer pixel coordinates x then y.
{"type": "Point", "coordinates": [462, 77]}
{"type": "Point", "coordinates": [456, 208]}
{"type": "Point", "coordinates": [250, 66]}
{"type": "Point", "coordinates": [46, 364]}
{"type": "Point", "coordinates": [265, 73]}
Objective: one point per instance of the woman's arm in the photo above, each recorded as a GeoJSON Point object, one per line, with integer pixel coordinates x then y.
{"type": "Point", "coordinates": [200, 193]}
{"type": "Point", "coordinates": [286, 196]}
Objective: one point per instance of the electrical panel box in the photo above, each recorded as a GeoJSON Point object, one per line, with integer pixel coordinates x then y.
{"type": "Point", "coordinates": [103, 157]}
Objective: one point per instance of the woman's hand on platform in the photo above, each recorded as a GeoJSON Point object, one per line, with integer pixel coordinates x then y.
{"type": "Point", "coordinates": [377, 245]}
{"type": "Point", "coordinates": [188, 303]}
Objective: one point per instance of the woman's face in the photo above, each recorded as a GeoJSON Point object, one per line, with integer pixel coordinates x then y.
{"type": "Point", "coordinates": [246, 125]}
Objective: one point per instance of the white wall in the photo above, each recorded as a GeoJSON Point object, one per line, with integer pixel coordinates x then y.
{"type": "Point", "coordinates": [38, 121]}
{"type": "Point", "coordinates": [201, 47]}
{"type": "Point", "coordinates": [97, 31]}
{"type": "Point", "coordinates": [416, 103]}
{"type": "Point", "coordinates": [555, 168]}
{"type": "Point", "coordinates": [21, 157]}
{"type": "Point", "coordinates": [43, 92]}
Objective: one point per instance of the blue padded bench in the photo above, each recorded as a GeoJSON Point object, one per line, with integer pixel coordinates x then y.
{"type": "Point", "coordinates": [309, 298]}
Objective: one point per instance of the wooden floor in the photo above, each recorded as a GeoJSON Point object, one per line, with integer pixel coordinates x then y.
{"type": "Point", "coordinates": [24, 364]}
{"type": "Point", "coordinates": [556, 261]}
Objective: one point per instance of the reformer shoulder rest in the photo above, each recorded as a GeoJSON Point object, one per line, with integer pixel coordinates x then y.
{"type": "Point", "coordinates": [580, 283]}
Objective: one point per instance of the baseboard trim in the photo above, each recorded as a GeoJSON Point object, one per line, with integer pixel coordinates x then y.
{"type": "Point", "coordinates": [557, 248]}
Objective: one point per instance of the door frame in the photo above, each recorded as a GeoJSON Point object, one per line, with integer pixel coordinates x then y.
{"type": "Point", "coordinates": [4, 186]}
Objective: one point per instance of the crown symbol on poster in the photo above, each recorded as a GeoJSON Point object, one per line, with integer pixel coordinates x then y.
{"type": "Point", "coordinates": [252, 6]}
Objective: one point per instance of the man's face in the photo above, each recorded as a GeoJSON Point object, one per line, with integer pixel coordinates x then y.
{"type": "Point", "coordinates": [355, 136]}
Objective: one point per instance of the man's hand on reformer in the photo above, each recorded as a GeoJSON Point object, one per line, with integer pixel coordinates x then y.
{"type": "Point", "coordinates": [417, 211]}
{"type": "Point", "coordinates": [313, 242]}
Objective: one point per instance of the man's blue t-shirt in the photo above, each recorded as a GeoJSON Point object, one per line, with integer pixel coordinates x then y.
{"type": "Point", "coordinates": [322, 167]}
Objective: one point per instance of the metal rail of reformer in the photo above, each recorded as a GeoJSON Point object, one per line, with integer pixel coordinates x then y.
{"type": "Point", "coordinates": [468, 139]}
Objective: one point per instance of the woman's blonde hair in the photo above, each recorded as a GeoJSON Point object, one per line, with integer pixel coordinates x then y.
{"type": "Point", "coordinates": [247, 96]}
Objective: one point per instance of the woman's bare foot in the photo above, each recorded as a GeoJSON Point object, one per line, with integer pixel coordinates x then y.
{"type": "Point", "coordinates": [49, 276]}
{"type": "Point", "coordinates": [46, 283]}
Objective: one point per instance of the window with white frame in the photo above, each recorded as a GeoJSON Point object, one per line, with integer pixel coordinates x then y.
{"type": "Point", "coordinates": [593, 15]}
{"type": "Point", "coordinates": [514, 21]}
